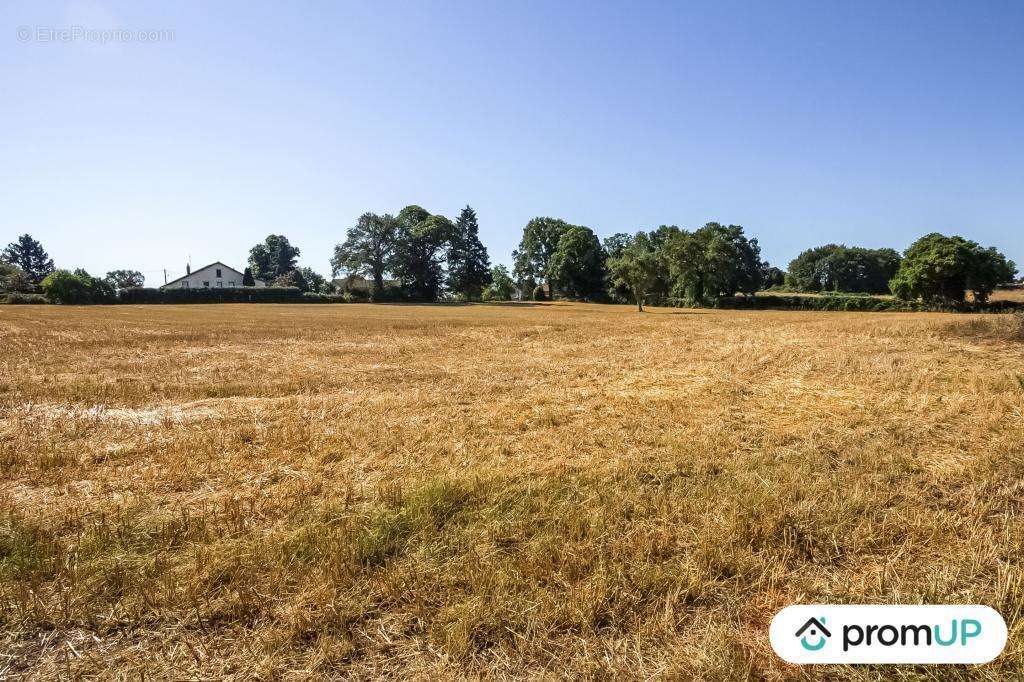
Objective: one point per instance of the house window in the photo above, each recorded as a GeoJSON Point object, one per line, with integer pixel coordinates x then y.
{"type": "Point", "coordinates": [206, 284]}
{"type": "Point", "coordinates": [231, 284]}
{"type": "Point", "coordinates": [184, 285]}
{"type": "Point", "coordinates": [220, 284]}
{"type": "Point", "coordinates": [218, 272]}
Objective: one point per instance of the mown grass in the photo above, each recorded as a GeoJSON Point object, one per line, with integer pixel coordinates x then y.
{"type": "Point", "coordinates": [560, 490]}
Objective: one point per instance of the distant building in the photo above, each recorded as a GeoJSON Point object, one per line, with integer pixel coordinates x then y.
{"type": "Point", "coordinates": [213, 276]}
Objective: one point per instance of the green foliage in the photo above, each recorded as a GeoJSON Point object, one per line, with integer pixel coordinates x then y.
{"type": "Point", "coordinates": [217, 295]}
{"type": "Point", "coordinates": [247, 279]}
{"type": "Point", "coordinates": [533, 257]}
{"type": "Point", "coordinates": [77, 288]}
{"type": "Point", "coordinates": [937, 268]}
{"type": "Point", "coordinates": [713, 261]}
{"type": "Point", "coordinates": [855, 303]}
{"type": "Point", "coordinates": [468, 265]}
{"type": "Point", "coordinates": [577, 265]}
{"type": "Point", "coordinates": [30, 256]}
{"type": "Point", "coordinates": [771, 276]}
{"type": "Point", "coordinates": [502, 287]}
{"type": "Point", "coordinates": [14, 280]}
{"type": "Point", "coordinates": [368, 249]}
{"type": "Point", "coordinates": [273, 258]}
{"type": "Point", "coordinates": [614, 245]}
{"type": "Point", "coordinates": [292, 278]}
{"type": "Point", "coordinates": [421, 243]}
{"type": "Point", "coordinates": [636, 268]}
{"type": "Point", "coordinates": [835, 267]}
{"type": "Point", "coordinates": [125, 279]}
{"type": "Point", "coordinates": [20, 298]}
{"type": "Point", "coordinates": [314, 281]}
{"type": "Point", "coordinates": [538, 293]}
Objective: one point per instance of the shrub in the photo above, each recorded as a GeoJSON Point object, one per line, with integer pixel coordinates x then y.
{"type": "Point", "coordinates": [853, 304]}
{"type": "Point", "coordinates": [538, 293]}
{"type": "Point", "coordinates": [14, 279]}
{"type": "Point", "coordinates": [77, 288]}
{"type": "Point", "coordinates": [18, 298]}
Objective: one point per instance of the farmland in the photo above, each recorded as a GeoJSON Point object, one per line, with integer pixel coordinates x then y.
{"type": "Point", "coordinates": [508, 490]}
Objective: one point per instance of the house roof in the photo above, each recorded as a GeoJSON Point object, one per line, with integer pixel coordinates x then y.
{"type": "Point", "coordinates": [187, 275]}
{"type": "Point", "coordinates": [814, 622]}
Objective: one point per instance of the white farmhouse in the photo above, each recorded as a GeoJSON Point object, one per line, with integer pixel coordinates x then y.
{"type": "Point", "coordinates": [213, 276]}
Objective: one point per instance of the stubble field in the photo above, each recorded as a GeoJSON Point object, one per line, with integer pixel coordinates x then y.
{"type": "Point", "coordinates": [504, 490]}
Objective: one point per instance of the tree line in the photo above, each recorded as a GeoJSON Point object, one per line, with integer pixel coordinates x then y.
{"type": "Point", "coordinates": [415, 255]}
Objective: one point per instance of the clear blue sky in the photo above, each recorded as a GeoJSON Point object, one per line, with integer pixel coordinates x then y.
{"type": "Point", "coordinates": [868, 123]}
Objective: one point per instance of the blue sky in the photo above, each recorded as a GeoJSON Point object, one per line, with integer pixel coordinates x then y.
{"type": "Point", "coordinates": [868, 123]}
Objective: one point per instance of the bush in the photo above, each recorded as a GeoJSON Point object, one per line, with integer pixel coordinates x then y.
{"type": "Point", "coordinates": [205, 295]}
{"type": "Point", "coordinates": [18, 298]}
{"type": "Point", "coordinates": [538, 293]}
{"type": "Point", "coordinates": [77, 288]}
{"type": "Point", "coordinates": [854, 304]}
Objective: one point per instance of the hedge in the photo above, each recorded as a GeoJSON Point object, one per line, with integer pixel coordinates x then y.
{"type": "Point", "coordinates": [18, 298]}
{"type": "Point", "coordinates": [211, 295]}
{"type": "Point", "coordinates": [857, 303]}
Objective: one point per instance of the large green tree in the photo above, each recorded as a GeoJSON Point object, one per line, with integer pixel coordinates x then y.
{"type": "Point", "coordinates": [636, 268]}
{"type": "Point", "coordinates": [836, 267]}
{"type": "Point", "coordinates": [532, 260]}
{"type": "Point", "coordinates": [577, 265]}
{"type": "Point", "coordinates": [273, 257]}
{"type": "Point", "coordinates": [126, 279]}
{"type": "Point", "coordinates": [368, 249]}
{"type": "Point", "coordinates": [468, 264]}
{"type": "Point", "coordinates": [715, 260]}
{"type": "Point", "coordinates": [940, 268]}
{"type": "Point", "coordinates": [29, 255]}
{"type": "Point", "coordinates": [502, 286]}
{"type": "Point", "coordinates": [421, 244]}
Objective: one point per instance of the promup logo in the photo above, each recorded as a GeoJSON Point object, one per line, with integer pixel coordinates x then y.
{"type": "Point", "coordinates": [888, 634]}
{"type": "Point", "coordinates": [817, 629]}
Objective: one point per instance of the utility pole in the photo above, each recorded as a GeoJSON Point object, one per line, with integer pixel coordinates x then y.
{"type": "Point", "coordinates": [165, 275]}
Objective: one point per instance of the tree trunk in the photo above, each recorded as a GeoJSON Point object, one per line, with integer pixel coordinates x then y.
{"type": "Point", "coordinates": [639, 303]}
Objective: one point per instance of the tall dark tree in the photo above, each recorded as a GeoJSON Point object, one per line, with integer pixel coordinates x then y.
{"type": "Point", "coordinates": [368, 248]}
{"type": "Point", "coordinates": [532, 259]}
{"type": "Point", "coordinates": [247, 279]}
{"type": "Point", "coordinates": [274, 257]}
{"type": "Point", "coordinates": [125, 279]}
{"type": "Point", "coordinates": [421, 243]}
{"type": "Point", "coordinates": [469, 268]}
{"type": "Point", "coordinates": [577, 265]}
{"type": "Point", "coordinates": [30, 256]}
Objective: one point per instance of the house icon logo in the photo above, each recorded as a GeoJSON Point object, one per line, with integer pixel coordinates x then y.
{"type": "Point", "coordinates": [813, 634]}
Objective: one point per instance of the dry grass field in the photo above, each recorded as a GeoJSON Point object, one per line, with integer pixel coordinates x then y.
{"type": "Point", "coordinates": [509, 491]}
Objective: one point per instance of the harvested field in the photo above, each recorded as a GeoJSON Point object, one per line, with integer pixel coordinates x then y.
{"type": "Point", "coordinates": [503, 490]}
